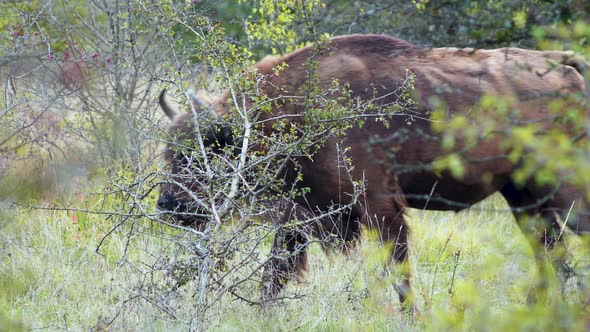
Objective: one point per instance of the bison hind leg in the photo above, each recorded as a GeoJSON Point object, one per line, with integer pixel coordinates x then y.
{"type": "Point", "coordinates": [393, 233]}
{"type": "Point", "coordinates": [539, 212]}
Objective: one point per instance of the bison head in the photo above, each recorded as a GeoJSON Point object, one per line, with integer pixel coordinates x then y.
{"type": "Point", "coordinates": [183, 193]}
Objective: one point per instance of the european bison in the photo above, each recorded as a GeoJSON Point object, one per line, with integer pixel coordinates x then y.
{"type": "Point", "coordinates": [394, 155]}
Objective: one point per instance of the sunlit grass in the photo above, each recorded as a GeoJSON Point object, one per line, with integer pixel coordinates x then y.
{"type": "Point", "coordinates": [471, 270]}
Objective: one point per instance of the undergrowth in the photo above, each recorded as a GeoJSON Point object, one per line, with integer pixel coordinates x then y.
{"type": "Point", "coordinates": [470, 271]}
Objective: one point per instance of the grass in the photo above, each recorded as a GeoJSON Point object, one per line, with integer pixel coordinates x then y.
{"type": "Point", "coordinates": [471, 271]}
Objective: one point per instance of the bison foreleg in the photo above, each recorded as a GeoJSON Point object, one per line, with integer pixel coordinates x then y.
{"type": "Point", "coordinates": [288, 258]}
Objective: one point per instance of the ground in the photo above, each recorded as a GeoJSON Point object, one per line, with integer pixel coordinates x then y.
{"type": "Point", "coordinates": [471, 271]}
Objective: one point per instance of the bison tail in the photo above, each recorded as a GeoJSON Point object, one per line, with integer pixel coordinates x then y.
{"type": "Point", "coordinates": [578, 62]}
{"type": "Point", "coordinates": [569, 58]}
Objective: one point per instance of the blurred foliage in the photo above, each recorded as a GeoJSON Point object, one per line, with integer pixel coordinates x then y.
{"type": "Point", "coordinates": [11, 288]}
{"type": "Point", "coordinates": [38, 28]}
{"type": "Point", "coordinates": [430, 23]}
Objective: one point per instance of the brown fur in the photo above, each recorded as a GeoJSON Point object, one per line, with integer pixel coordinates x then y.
{"type": "Point", "coordinates": [374, 66]}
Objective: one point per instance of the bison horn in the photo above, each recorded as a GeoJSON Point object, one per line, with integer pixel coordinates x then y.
{"type": "Point", "coordinates": [196, 99]}
{"type": "Point", "coordinates": [203, 104]}
{"type": "Point", "coordinates": [170, 112]}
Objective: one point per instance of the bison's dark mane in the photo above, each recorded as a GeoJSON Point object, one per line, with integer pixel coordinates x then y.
{"type": "Point", "coordinates": [372, 44]}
